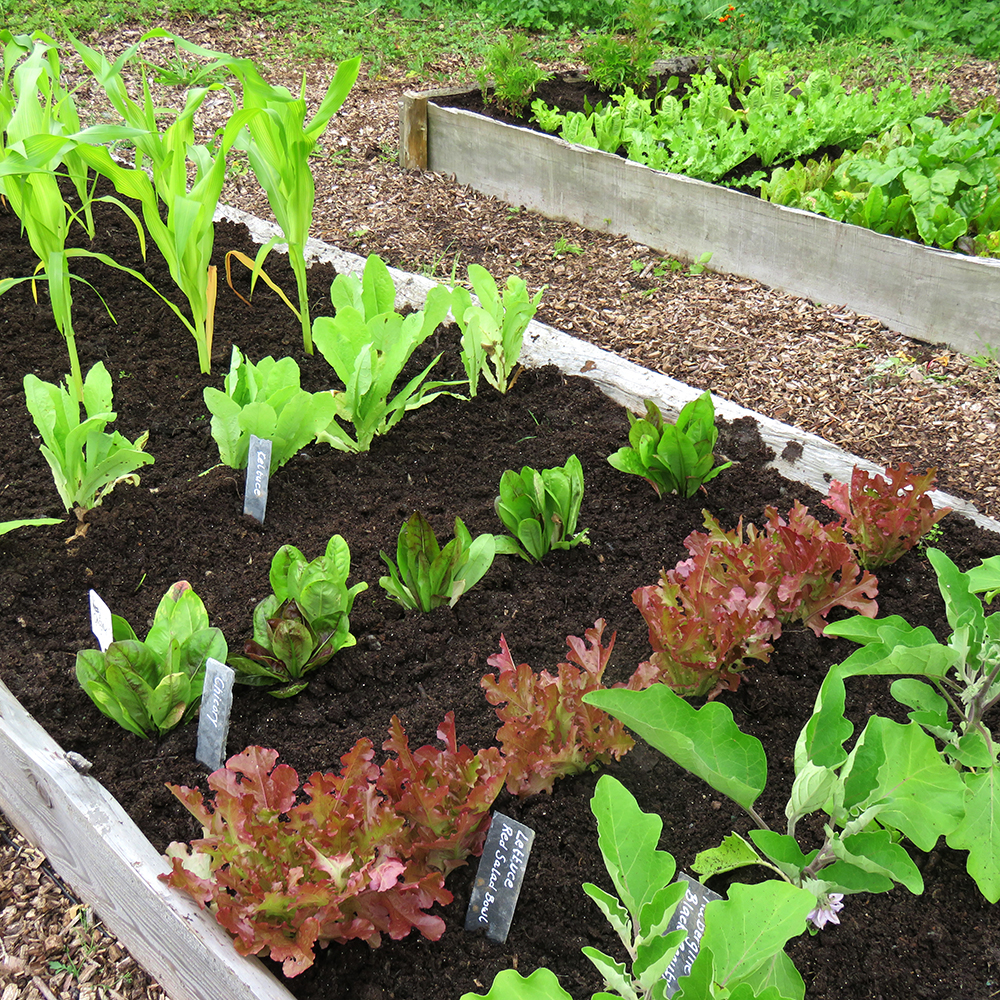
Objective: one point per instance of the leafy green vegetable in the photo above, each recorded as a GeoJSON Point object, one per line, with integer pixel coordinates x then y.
{"type": "Point", "coordinates": [86, 461]}
{"type": "Point", "coordinates": [672, 458]}
{"type": "Point", "coordinates": [512, 73]}
{"type": "Point", "coordinates": [303, 622]}
{"type": "Point", "coordinates": [493, 330]}
{"type": "Point", "coordinates": [541, 508]}
{"type": "Point", "coordinates": [153, 685]}
{"type": "Point", "coordinates": [958, 679]}
{"type": "Point", "coordinates": [267, 401]}
{"type": "Point", "coordinates": [425, 575]}
{"type": "Point", "coordinates": [368, 345]}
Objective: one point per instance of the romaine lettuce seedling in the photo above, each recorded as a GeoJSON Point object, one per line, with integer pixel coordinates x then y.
{"type": "Point", "coordinates": [148, 687]}
{"type": "Point", "coordinates": [541, 508]}
{"type": "Point", "coordinates": [303, 622]}
{"type": "Point", "coordinates": [493, 330]}
{"type": "Point", "coordinates": [368, 344]}
{"type": "Point", "coordinates": [672, 458]}
{"type": "Point", "coordinates": [265, 400]}
{"type": "Point", "coordinates": [425, 575]}
{"type": "Point", "coordinates": [86, 461]}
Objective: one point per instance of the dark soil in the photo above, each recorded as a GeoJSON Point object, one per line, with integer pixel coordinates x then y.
{"type": "Point", "coordinates": [445, 459]}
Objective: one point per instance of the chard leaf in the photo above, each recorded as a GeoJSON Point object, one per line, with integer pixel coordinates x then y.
{"type": "Point", "coordinates": [705, 741]}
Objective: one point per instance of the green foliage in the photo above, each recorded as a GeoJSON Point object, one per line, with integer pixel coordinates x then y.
{"type": "Point", "coordinates": [6, 526]}
{"type": "Point", "coordinates": [956, 680]}
{"type": "Point", "coordinates": [425, 575]}
{"type": "Point", "coordinates": [513, 75]}
{"type": "Point", "coordinates": [624, 56]}
{"type": "Point", "coordinates": [493, 330]}
{"type": "Point", "coordinates": [701, 135]}
{"type": "Point", "coordinates": [153, 685]}
{"type": "Point", "coordinates": [368, 345]}
{"type": "Point", "coordinates": [929, 181]}
{"type": "Point", "coordinates": [267, 401]}
{"type": "Point", "coordinates": [303, 623]}
{"type": "Point", "coordinates": [86, 461]}
{"type": "Point", "coordinates": [550, 15]}
{"type": "Point", "coordinates": [541, 508]}
{"type": "Point", "coordinates": [672, 458]}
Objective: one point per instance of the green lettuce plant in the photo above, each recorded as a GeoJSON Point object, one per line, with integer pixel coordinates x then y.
{"type": "Point", "coordinates": [368, 344]}
{"type": "Point", "coordinates": [150, 686]}
{"type": "Point", "coordinates": [426, 575]}
{"type": "Point", "coordinates": [86, 461]}
{"type": "Point", "coordinates": [949, 688]}
{"type": "Point", "coordinates": [303, 623]}
{"type": "Point", "coordinates": [541, 508]}
{"type": "Point", "coordinates": [266, 400]}
{"type": "Point", "coordinates": [493, 330]}
{"type": "Point", "coordinates": [672, 458]}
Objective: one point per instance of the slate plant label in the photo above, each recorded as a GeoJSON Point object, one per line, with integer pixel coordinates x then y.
{"type": "Point", "coordinates": [689, 916]}
{"type": "Point", "coordinates": [213, 718]}
{"type": "Point", "coordinates": [100, 621]}
{"type": "Point", "coordinates": [498, 881]}
{"type": "Point", "coordinates": [258, 469]}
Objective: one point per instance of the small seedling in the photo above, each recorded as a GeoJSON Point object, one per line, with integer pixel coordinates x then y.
{"type": "Point", "coordinates": [562, 246]}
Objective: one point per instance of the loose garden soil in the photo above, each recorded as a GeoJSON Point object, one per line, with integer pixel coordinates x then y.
{"type": "Point", "coordinates": [446, 460]}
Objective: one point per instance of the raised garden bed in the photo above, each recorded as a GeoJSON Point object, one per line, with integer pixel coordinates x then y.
{"type": "Point", "coordinates": [930, 294]}
{"type": "Point", "coordinates": [176, 524]}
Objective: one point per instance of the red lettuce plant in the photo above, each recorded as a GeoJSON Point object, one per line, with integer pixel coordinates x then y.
{"type": "Point", "coordinates": [548, 732]}
{"type": "Point", "coordinates": [885, 515]}
{"type": "Point", "coordinates": [363, 854]}
{"type": "Point", "coordinates": [727, 602]}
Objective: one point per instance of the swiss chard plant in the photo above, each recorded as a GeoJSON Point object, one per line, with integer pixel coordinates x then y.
{"type": "Point", "coordinates": [426, 575]}
{"type": "Point", "coordinates": [949, 688]}
{"type": "Point", "coordinates": [548, 732]}
{"type": "Point", "coordinates": [368, 344]}
{"type": "Point", "coordinates": [150, 686]}
{"type": "Point", "coordinates": [303, 622]}
{"type": "Point", "coordinates": [266, 400]}
{"type": "Point", "coordinates": [892, 779]}
{"type": "Point", "coordinates": [541, 509]}
{"type": "Point", "coordinates": [492, 330]}
{"type": "Point", "coordinates": [885, 515]}
{"type": "Point", "coordinates": [728, 601]}
{"type": "Point", "coordinates": [350, 856]}
{"type": "Point", "coordinates": [741, 950]}
{"type": "Point", "coordinates": [87, 461]}
{"type": "Point", "coordinates": [672, 458]}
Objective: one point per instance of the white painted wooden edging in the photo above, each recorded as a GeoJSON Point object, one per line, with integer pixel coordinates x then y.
{"type": "Point", "coordinates": [929, 294]}
{"type": "Point", "coordinates": [94, 845]}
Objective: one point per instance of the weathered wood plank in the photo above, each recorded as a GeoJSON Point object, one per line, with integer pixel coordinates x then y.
{"type": "Point", "coordinates": [929, 294]}
{"type": "Point", "coordinates": [94, 845]}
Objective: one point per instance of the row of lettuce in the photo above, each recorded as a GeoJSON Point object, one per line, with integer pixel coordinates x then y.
{"type": "Point", "coordinates": [365, 852]}
{"type": "Point", "coordinates": [897, 170]}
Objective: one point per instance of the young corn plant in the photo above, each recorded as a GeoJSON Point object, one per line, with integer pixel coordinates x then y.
{"type": "Point", "coordinates": [272, 130]}
{"type": "Point", "coordinates": [39, 131]}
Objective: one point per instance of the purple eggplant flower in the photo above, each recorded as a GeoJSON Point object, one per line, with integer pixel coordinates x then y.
{"type": "Point", "coordinates": [826, 913]}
